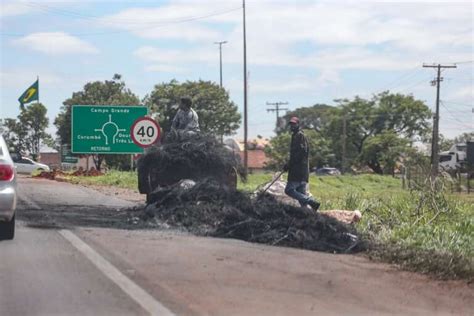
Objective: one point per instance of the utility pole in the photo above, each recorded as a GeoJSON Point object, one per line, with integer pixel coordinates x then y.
{"type": "Point", "coordinates": [220, 58]}
{"type": "Point", "coordinates": [245, 92]}
{"type": "Point", "coordinates": [435, 138]}
{"type": "Point", "coordinates": [277, 109]}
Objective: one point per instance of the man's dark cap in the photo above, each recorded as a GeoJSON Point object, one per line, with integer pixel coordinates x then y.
{"type": "Point", "coordinates": [186, 101]}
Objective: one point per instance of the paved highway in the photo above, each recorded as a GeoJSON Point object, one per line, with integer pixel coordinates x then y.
{"type": "Point", "coordinates": [73, 256]}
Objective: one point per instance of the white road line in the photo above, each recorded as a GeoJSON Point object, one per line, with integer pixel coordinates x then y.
{"type": "Point", "coordinates": [145, 300]}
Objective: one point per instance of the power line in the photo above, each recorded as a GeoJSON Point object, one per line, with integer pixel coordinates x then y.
{"type": "Point", "coordinates": [461, 112]}
{"type": "Point", "coordinates": [451, 114]}
{"type": "Point", "coordinates": [424, 80]}
{"type": "Point", "coordinates": [62, 12]}
{"type": "Point", "coordinates": [158, 25]}
{"type": "Point", "coordinates": [458, 103]}
{"type": "Point", "coordinates": [410, 73]}
{"type": "Point", "coordinates": [461, 79]}
{"type": "Point", "coordinates": [463, 62]}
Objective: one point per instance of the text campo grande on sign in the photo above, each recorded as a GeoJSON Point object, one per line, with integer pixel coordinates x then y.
{"type": "Point", "coordinates": [109, 110]}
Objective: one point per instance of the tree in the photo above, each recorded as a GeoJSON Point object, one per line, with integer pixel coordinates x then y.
{"type": "Point", "coordinates": [35, 120]}
{"type": "Point", "coordinates": [314, 117]}
{"type": "Point", "coordinates": [26, 133]}
{"type": "Point", "coordinates": [278, 150]}
{"type": "Point", "coordinates": [446, 143]}
{"type": "Point", "coordinates": [108, 92]}
{"type": "Point", "coordinates": [217, 113]}
{"type": "Point", "coordinates": [464, 137]}
{"type": "Point", "coordinates": [14, 134]}
{"type": "Point", "coordinates": [401, 115]}
{"type": "Point", "coordinates": [383, 151]}
{"type": "Point", "coordinates": [389, 122]}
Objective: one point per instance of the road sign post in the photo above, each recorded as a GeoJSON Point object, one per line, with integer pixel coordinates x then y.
{"type": "Point", "coordinates": [104, 129]}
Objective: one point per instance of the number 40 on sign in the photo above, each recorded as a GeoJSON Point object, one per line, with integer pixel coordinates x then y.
{"type": "Point", "coordinates": [145, 132]}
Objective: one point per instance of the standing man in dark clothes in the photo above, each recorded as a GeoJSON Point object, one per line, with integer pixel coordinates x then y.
{"type": "Point", "coordinates": [298, 167]}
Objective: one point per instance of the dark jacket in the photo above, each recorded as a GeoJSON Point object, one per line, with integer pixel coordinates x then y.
{"type": "Point", "coordinates": [298, 166]}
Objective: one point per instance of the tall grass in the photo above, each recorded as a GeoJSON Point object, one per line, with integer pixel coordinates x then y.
{"type": "Point", "coordinates": [426, 229]}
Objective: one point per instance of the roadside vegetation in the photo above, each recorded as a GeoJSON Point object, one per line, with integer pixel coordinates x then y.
{"type": "Point", "coordinates": [121, 179]}
{"type": "Point", "coordinates": [423, 229]}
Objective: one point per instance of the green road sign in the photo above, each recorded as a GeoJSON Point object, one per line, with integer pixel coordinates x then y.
{"type": "Point", "coordinates": [104, 129]}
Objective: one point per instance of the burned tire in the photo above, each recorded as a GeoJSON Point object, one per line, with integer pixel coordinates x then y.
{"type": "Point", "coordinates": [7, 229]}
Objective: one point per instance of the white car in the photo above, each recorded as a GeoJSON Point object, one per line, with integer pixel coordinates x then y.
{"type": "Point", "coordinates": [26, 165]}
{"type": "Point", "coordinates": [7, 193]}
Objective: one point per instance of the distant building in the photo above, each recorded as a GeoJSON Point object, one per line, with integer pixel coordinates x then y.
{"type": "Point", "coordinates": [257, 159]}
{"type": "Point", "coordinates": [50, 157]}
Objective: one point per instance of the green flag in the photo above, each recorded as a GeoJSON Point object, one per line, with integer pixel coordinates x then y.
{"type": "Point", "coordinates": [31, 94]}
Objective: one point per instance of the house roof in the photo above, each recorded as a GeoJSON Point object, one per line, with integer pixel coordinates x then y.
{"type": "Point", "coordinates": [46, 149]}
{"type": "Point", "coordinates": [256, 143]}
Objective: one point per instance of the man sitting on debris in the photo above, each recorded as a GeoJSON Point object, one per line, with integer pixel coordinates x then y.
{"type": "Point", "coordinates": [298, 167]}
{"type": "Point", "coordinates": [186, 121]}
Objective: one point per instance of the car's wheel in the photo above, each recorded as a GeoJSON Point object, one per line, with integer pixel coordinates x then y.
{"type": "Point", "coordinates": [7, 229]}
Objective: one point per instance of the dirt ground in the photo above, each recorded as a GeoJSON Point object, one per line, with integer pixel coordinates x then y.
{"type": "Point", "coordinates": [122, 193]}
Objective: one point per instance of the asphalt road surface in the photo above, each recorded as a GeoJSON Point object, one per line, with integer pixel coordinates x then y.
{"type": "Point", "coordinates": [76, 252]}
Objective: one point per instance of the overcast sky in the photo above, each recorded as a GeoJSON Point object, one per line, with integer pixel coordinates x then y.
{"type": "Point", "coordinates": [300, 52]}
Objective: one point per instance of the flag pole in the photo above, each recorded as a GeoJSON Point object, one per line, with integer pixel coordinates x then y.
{"type": "Point", "coordinates": [37, 79]}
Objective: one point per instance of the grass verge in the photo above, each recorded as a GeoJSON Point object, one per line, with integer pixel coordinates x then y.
{"type": "Point", "coordinates": [121, 179]}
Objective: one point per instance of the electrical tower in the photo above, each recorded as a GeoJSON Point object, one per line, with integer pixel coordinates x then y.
{"type": "Point", "coordinates": [277, 109]}
{"type": "Point", "coordinates": [435, 138]}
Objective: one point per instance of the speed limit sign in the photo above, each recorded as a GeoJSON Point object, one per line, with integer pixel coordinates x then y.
{"type": "Point", "coordinates": [145, 132]}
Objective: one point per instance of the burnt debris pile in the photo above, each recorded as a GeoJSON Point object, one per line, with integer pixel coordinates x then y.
{"type": "Point", "coordinates": [210, 209]}
{"type": "Point", "coordinates": [195, 157]}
